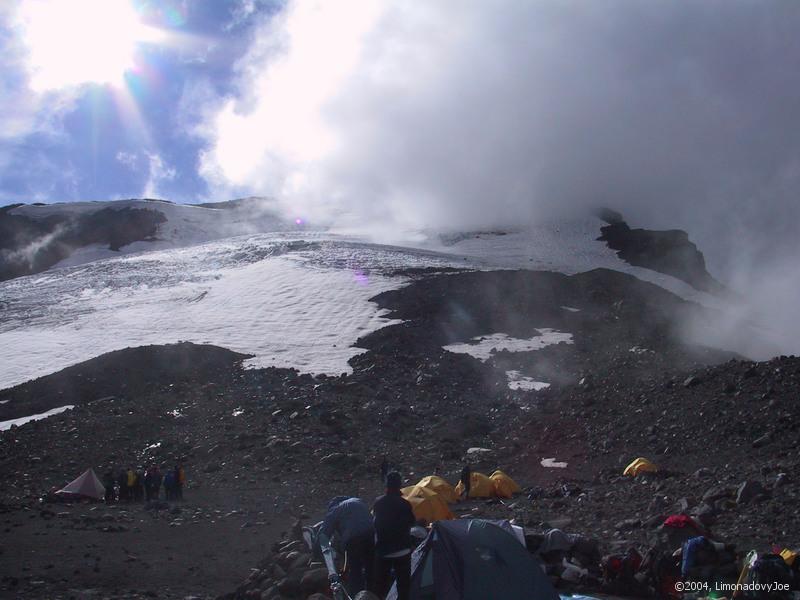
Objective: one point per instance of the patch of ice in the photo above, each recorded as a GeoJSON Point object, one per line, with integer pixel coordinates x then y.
{"type": "Point", "coordinates": [289, 303]}
{"type": "Point", "coordinates": [4, 425]}
{"type": "Point", "coordinates": [237, 411]}
{"type": "Point", "coordinates": [570, 309]}
{"type": "Point", "coordinates": [640, 350]}
{"type": "Point", "coordinates": [477, 451]}
{"type": "Point", "coordinates": [552, 463]}
{"type": "Point", "coordinates": [482, 347]}
{"type": "Point", "coordinates": [518, 381]}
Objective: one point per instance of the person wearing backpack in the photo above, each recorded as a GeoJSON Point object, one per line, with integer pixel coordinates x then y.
{"type": "Point", "coordinates": [767, 572]}
{"type": "Point", "coordinates": [394, 518]}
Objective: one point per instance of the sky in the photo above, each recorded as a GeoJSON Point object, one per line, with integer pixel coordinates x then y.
{"type": "Point", "coordinates": [466, 114]}
{"type": "Point", "coordinates": [98, 98]}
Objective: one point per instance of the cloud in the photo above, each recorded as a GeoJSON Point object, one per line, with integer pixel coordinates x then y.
{"type": "Point", "coordinates": [428, 115]}
{"type": "Point", "coordinates": [158, 172]}
{"type": "Point", "coordinates": [435, 115]}
{"type": "Point", "coordinates": [129, 159]}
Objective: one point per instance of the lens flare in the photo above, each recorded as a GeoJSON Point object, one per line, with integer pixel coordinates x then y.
{"type": "Point", "coordinates": [81, 41]}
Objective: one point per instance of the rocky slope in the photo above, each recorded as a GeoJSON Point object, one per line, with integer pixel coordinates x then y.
{"type": "Point", "coordinates": [265, 447]}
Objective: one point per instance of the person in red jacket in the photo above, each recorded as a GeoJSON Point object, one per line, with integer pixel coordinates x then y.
{"type": "Point", "coordinates": [393, 521]}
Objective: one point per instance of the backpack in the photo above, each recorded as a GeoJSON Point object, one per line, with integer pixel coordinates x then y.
{"type": "Point", "coordinates": [769, 569]}
{"type": "Point", "coordinates": [621, 566]}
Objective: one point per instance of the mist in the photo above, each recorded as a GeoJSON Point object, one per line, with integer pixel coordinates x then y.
{"type": "Point", "coordinates": [469, 115]}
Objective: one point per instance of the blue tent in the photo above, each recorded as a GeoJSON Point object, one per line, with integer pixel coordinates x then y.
{"type": "Point", "coordinates": [475, 559]}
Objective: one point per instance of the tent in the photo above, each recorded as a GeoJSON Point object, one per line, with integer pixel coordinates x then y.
{"type": "Point", "coordinates": [475, 559]}
{"type": "Point", "coordinates": [640, 465]}
{"type": "Point", "coordinates": [440, 486]}
{"type": "Point", "coordinates": [504, 486]}
{"type": "Point", "coordinates": [480, 486]}
{"type": "Point", "coordinates": [85, 486]}
{"type": "Point", "coordinates": [427, 504]}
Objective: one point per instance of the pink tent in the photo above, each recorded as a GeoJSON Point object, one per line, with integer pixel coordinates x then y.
{"type": "Point", "coordinates": [85, 486]}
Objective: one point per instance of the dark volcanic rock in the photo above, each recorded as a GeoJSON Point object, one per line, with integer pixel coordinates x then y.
{"type": "Point", "coordinates": [30, 246]}
{"type": "Point", "coordinates": [124, 374]}
{"type": "Point", "coordinates": [668, 252]}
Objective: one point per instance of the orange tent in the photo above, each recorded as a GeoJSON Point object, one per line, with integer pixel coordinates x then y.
{"type": "Point", "coordinates": [427, 504]}
{"type": "Point", "coordinates": [504, 486]}
{"type": "Point", "coordinates": [480, 486]}
{"type": "Point", "coordinates": [440, 486]}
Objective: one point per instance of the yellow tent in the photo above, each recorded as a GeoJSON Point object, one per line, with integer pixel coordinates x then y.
{"type": "Point", "coordinates": [504, 486]}
{"type": "Point", "coordinates": [427, 504]}
{"type": "Point", "coordinates": [788, 556]}
{"type": "Point", "coordinates": [440, 486]}
{"type": "Point", "coordinates": [638, 466]}
{"type": "Point", "coordinates": [480, 486]}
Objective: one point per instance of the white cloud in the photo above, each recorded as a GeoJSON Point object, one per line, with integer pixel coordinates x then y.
{"type": "Point", "coordinates": [431, 113]}
{"type": "Point", "coordinates": [479, 114]}
{"type": "Point", "coordinates": [158, 172]}
{"type": "Point", "coordinates": [129, 159]}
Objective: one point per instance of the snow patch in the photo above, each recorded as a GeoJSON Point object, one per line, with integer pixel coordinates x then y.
{"type": "Point", "coordinates": [237, 411]}
{"type": "Point", "coordinates": [176, 413]}
{"type": "Point", "coordinates": [483, 347]}
{"type": "Point", "coordinates": [4, 401]}
{"type": "Point", "coordinates": [640, 350]}
{"type": "Point", "coordinates": [552, 463]}
{"type": "Point", "coordinates": [289, 303]}
{"type": "Point", "coordinates": [478, 451]}
{"type": "Point", "coordinates": [5, 425]}
{"type": "Point", "coordinates": [518, 381]}
{"type": "Point", "coordinates": [570, 309]}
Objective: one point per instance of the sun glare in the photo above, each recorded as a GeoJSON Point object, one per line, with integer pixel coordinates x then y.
{"type": "Point", "coordinates": [71, 42]}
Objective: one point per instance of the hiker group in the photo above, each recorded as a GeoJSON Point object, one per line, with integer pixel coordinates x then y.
{"type": "Point", "coordinates": [135, 485]}
{"type": "Point", "coordinates": [378, 540]}
{"type": "Point", "coordinates": [409, 545]}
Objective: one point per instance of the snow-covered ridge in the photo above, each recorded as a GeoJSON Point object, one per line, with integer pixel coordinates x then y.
{"type": "Point", "coordinates": [291, 298]}
{"type": "Point", "coordinates": [185, 224]}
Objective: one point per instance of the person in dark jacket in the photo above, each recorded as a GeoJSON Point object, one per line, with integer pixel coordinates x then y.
{"type": "Point", "coordinates": [122, 483]}
{"type": "Point", "coordinates": [393, 521]}
{"type": "Point", "coordinates": [350, 520]}
{"type": "Point", "coordinates": [466, 479]}
{"type": "Point", "coordinates": [156, 483]}
{"type": "Point", "coordinates": [169, 485]}
{"type": "Point", "coordinates": [384, 470]}
{"type": "Point", "coordinates": [138, 492]}
{"type": "Point", "coordinates": [108, 483]}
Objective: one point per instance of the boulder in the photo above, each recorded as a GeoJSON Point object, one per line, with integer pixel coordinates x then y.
{"type": "Point", "coordinates": [762, 441]}
{"type": "Point", "coordinates": [692, 381]}
{"type": "Point", "coordinates": [716, 493]}
{"type": "Point", "coordinates": [315, 580]}
{"type": "Point", "coordinates": [290, 586]}
{"type": "Point", "coordinates": [702, 473]}
{"type": "Point", "coordinates": [628, 525]}
{"type": "Point", "coordinates": [749, 491]}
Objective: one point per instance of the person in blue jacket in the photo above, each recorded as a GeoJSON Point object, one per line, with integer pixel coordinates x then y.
{"type": "Point", "coordinates": [349, 520]}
